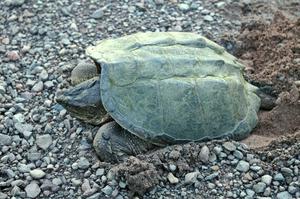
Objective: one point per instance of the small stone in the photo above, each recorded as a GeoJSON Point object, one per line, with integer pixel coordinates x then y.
{"type": "Point", "coordinates": [32, 190]}
{"type": "Point", "coordinates": [37, 173]}
{"type": "Point", "coordinates": [279, 177]}
{"type": "Point", "coordinates": [172, 167]}
{"type": "Point", "coordinates": [191, 178]}
{"type": "Point", "coordinates": [100, 172]}
{"type": "Point", "coordinates": [183, 7]}
{"type": "Point", "coordinates": [76, 182]}
{"type": "Point", "coordinates": [18, 118]}
{"type": "Point", "coordinates": [292, 189]}
{"type": "Point", "coordinates": [287, 171]}
{"type": "Point", "coordinates": [212, 176]}
{"type": "Point", "coordinates": [229, 146]}
{"type": "Point", "coordinates": [83, 163]}
{"type": "Point", "coordinates": [243, 166]}
{"type": "Point", "coordinates": [5, 140]}
{"type": "Point", "coordinates": [238, 154]}
{"type": "Point", "coordinates": [3, 195]}
{"type": "Point", "coordinates": [284, 195]}
{"type": "Point", "coordinates": [122, 184]}
{"type": "Point", "coordinates": [13, 55]}
{"type": "Point", "coordinates": [250, 192]}
{"type": "Point", "coordinates": [38, 87]}
{"type": "Point", "coordinates": [259, 187]}
{"type": "Point", "coordinates": [57, 181]}
{"type": "Point", "coordinates": [208, 18]}
{"type": "Point", "coordinates": [204, 154]}
{"type": "Point", "coordinates": [98, 14]}
{"type": "Point", "coordinates": [107, 190]}
{"type": "Point", "coordinates": [172, 179]}
{"type": "Point", "coordinates": [14, 2]}
{"type": "Point", "coordinates": [220, 4]}
{"type": "Point", "coordinates": [44, 141]}
{"type": "Point", "coordinates": [267, 179]}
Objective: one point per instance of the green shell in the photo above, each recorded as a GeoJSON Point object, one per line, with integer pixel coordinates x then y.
{"type": "Point", "coordinates": [173, 87]}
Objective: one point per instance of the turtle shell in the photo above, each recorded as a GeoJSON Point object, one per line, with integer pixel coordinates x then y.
{"type": "Point", "coordinates": [174, 87]}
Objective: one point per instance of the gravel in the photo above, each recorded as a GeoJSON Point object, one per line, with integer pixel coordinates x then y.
{"type": "Point", "coordinates": [46, 153]}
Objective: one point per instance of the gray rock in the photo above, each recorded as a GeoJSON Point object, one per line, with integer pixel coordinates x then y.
{"type": "Point", "coordinates": [100, 172]}
{"type": "Point", "coordinates": [24, 168]}
{"type": "Point", "coordinates": [292, 189]}
{"type": "Point", "coordinates": [38, 87]}
{"type": "Point", "coordinates": [208, 18]}
{"type": "Point", "coordinates": [287, 171]}
{"type": "Point", "coordinates": [267, 179]}
{"type": "Point", "coordinates": [18, 118]}
{"type": "Point", "coordinates": [14, 2]}
{"type": "Point", "coordinates": [259, 187]}
{"type": "Point", "coordinates": [204, 154]}
{"type": "Point", "coordinates": [5, 139]}
{"type": "Point", "coordinates": [98, 14]}
{"type": "Point", "coordinates": [44, 141]}
{"type": "Point", "coordinates": [284, 195]}
{"type": "Point", "coordinates": [183, 7]}
{"type": "Point", "coordinates": [191, 178]}
{"type": "Point", "coordinates": [32, 190]}
{"type": "Point", "coordinates": [238, 154]}
{"type": "Point", "coordinates": [37, 173]}
{"type": "Point", "coordinates": [172, 179]}
{"type": "Point", "coordinates": [229, 146]}
{"type": "Point", "coordinates": [243, 166]}
{"type": "Point", "coordinates": [3, 195]}
{"type": "Point", "coordinates": [83, 163]}
{"type": "Point", "coordinates": [107, 190]}
{"type": "Point", "coordinates": [279, 177]}
{"type": "Point", "coordinates": [172, 167]}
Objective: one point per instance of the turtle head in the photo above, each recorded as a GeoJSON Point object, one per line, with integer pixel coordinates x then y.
{"type": "Point", "coordinates": [83, 101]}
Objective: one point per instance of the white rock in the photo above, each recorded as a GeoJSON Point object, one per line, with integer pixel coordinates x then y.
{"type": "Point", "coordinates": [172, 179]}
{"type": "Point", "coordinates": [37, 173]}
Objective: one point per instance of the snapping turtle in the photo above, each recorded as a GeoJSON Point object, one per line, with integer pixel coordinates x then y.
{"type": "Point", "coordinates": [160, 89]}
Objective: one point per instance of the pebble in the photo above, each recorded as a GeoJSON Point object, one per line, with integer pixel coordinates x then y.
{"type": "Point", "coordinates": [183, 7]}
{"type": "Point", "coordinates": [83, 163]}
{"type": "Point", "coordinates": [229, 146]}
{"type": "Point", "coordinates": [32, 190]}
{"type": "Point", "coordinates": [44, 141]}
{"type": "Point", "coordinates": [243, 166]}
{"type": "Point", "coordinates": [37, 173]}
{"type": "Point", "coordinates": [5, 139]}
{"type": "Point", "coordinates": [13, 55]}
{"type": "Point", "coordinates": [38, 87]}
{"type": "Point", "coordinates": [100, 172]}
{"type": "Point", "coordinates": [279, 177]}
{"type": "Point", "coordinates": [208, 18]}
{"type": "Point", "coordinates": [284, 195]}
{"type": "Point", "coordinates": [107, 190]}
{"type": "Point", "coordinates": [191, 178]}
{"type": "Point", "coordinates": [14, 2]}
{"type": "Point", "coordinates": [204, 154]}
{"type": "Point", "coordinates": [267, 179]}
{"type": "Point", "coordinates": [98, 14]}
{"type": "Point", "coordinates": [259, 187]}
{"type": "Point", "coordinates": [172, 179]}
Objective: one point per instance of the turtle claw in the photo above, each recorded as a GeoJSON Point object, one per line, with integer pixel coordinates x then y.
{"type": "Point", "coordinates": [114, 144]}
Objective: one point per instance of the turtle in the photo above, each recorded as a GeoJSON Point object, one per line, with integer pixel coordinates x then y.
{"type": "Point", "coordinates": [160, 88]}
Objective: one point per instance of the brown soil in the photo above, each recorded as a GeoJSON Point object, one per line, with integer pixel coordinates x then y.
{"type": "Point", "coordinates": [271, 52]}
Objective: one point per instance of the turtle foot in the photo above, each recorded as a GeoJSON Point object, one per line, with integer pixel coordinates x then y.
{"type": "Point", "coordinates": [114, 144]}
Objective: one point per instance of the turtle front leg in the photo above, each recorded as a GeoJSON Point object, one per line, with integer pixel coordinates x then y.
{"type": "Point", "coordinates": [113, 143]}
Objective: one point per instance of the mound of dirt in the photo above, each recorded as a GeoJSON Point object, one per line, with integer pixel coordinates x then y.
{"type": "Point", "coordinates": [271, 52]}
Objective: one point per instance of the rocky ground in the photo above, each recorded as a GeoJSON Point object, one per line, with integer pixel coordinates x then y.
{"type": "Point", "coordinates": [45, 153]}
